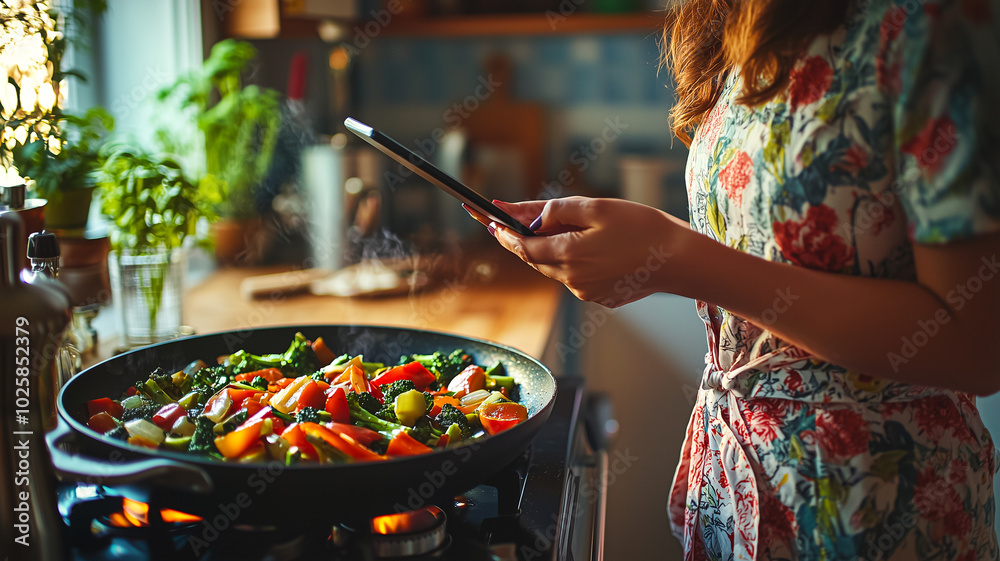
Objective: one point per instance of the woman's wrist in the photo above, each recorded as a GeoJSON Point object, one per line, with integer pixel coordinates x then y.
{"type": "Point", "coordinates": [684, 253]}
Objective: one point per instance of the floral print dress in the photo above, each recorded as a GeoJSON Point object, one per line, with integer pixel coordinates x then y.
{"type": "Point", "coordinates": [880, 141]}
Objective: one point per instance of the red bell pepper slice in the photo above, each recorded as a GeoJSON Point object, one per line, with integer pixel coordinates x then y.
{"type": "Point", "coordinates": [345, 444]}
{"type": "Point", "coordinates": [168, 415]}
{"type": "Point", "coordinates": [272, 375]}
{"type": "Point", "coordinates": [336, 406]}
{"type": "Point", "coordinates": [277, 425]}
{"type": "Point", "coordinates": [323, 353]}
{"type": "Point", "coordinates": [238, 396]}
{"type": "Point", "coordinates": [105, 405]}
{"type": "Point", "coordinates": [361, 434]}
{"type": "Point", "coordinates": [234, 444]}
{"type": "Point", "coordinates": [413, 371]}
{"type": "Point", "coordinates": [471, 379]}
{"type": "Point", "coordinates": [443, 441]}
{"type": "Point", "coordinates": [309, 396]}
{"type": "Point", "coordinates": [405, 445]}
{"type": "Point", "coordinates": [102, 422]}
{"type": "Point", "coordinates": [500, 416]}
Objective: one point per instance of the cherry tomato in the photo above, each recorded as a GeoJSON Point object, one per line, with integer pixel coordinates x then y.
{"type": "Point", "coordinates": [500, 416]}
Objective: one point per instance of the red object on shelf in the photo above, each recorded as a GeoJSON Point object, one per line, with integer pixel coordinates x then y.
{"type": "Point", "coordinates": [297, 77]}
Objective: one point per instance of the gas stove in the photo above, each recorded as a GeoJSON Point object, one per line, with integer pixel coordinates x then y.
{"type": "Point", "coordinates": [546, 505]}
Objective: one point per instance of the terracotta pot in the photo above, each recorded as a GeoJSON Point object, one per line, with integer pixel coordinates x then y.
{"type": "Point", "coordinates": [237, 242]}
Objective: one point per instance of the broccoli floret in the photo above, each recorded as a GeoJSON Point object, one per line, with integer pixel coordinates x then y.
{"type": "Point", "coordinates": [141, 412]}
{"type": "Point", "coordinates": [119, 432]}
{"type": "Point", "coordinates": [496, 369]}
{"type": "Point", "coordinates": [424, 432]}
{"type": "Point", "coordinates": [307, 415]}
{"type": "Point", "coordinates": [298, 360]}
{"type": "Point", "coordinates": [174, 385]}
{"type": "Point", "coordinates": [429, 400]}
{"type": "Point", "coordinates": [392, 390]}
{"type": "Point", "coordinates": [260, 383]}
{"type": "Point", "coordinates": [363, 418]}
{"type": "Point", "coordinates": [451, 415]}
{"type": "Point", "coordinates": [369, 402]}
{"type": "Point", "coordinates": [444, 367]}
{"type": "Point", "coordinates": [208, 381]}
{"type": "Point", "coordinates": [203, 439]}
{"type": "Point", "coordinates": [388, 413]}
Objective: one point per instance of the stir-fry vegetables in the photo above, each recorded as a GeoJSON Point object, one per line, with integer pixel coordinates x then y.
{"type": "Point", "coordinates": [307, 404]}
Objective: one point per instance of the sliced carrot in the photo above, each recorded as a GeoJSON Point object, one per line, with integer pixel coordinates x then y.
{"type": "Point", "coordinates": [440, 401]}
{"type": "Point", "coordinates": [405, 445]}
{"type": "Point", "coordinates": [344, 443]}
{"type": "Point", "coordinates": [323, 353]}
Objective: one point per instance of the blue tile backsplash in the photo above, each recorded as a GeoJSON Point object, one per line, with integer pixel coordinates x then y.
{"type": "Point", "coordinates": [562, 71]}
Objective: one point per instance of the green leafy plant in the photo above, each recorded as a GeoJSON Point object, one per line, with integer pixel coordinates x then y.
{"type": "Point", "coordinates": [240, 123]}
{"type": "Point", "coordinates": [151, 204]}
{"type": "Point", "coordinates": [75, 163]}
{"type": "Point", "coordinates": [153, 208]}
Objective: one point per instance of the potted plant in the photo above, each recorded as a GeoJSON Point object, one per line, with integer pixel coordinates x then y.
{"type": "Point", "coordinates": [240, 126]}
{"type": "Point", "coordinates": [63, 170]}
{"type": "Point", "coordinates": [153, 208]}
{"type": "Point", "coordinates": [40, 142]}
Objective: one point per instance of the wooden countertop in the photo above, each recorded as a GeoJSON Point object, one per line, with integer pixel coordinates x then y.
{"type": "Point", "coordinates": [516, 307]}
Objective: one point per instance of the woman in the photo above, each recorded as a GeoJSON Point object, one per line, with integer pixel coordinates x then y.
{"type": "Point", "coordinates": [843, 248]}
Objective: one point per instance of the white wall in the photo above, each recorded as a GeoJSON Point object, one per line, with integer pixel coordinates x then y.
{"type": "Point", "coordinates": [144, 45]}
{"type": "Point", "coordinates": [648, 356]}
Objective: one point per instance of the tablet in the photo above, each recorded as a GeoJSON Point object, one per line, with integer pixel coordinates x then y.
{"type": "Point", "coordinates": [431, 173]}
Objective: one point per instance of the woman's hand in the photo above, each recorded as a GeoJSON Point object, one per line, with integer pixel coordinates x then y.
{"type": "Point", "coordinates": [608, 251]}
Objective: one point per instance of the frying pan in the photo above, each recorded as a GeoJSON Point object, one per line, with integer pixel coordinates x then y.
{"type": "Point", "coordinates": [264, 492]}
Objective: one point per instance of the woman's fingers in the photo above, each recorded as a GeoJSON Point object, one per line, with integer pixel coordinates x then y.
{"type": "Point", "coordinates": [555, 215]}
{"type": "Point", "coordinates": [524, 212]}
{"type": "Point", "coordinates": [535, 251]}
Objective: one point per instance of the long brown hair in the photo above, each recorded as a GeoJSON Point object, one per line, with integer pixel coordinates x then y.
{"type": "Point", "coordinates": [703, 40]}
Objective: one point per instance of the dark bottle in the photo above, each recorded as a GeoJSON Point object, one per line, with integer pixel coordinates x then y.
{"type": "Point", "coordinates": [33, 318]}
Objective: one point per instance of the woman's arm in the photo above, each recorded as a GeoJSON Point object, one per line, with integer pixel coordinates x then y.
{"type": "Point", "coordinates": [939, 331]}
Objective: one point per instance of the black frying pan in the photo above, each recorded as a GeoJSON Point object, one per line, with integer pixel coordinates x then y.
{"type": "Point", "coordinates": [263, 493]}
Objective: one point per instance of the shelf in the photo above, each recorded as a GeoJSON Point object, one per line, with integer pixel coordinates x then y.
{"type": "Point", "coordinates": [523, 24]}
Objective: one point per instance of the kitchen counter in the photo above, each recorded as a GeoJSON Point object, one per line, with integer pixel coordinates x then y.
{"type": "Point", "coordinates": [517, 306]}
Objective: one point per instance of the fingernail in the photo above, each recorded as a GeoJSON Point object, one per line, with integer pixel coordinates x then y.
{"type": "Point", "coordinates": [536, 224]}
{"type": "Point", "coordinates": [493, 229]}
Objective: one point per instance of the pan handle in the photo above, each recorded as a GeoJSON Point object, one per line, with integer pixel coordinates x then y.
{"type": "Point", "coordinates": [116, 471]}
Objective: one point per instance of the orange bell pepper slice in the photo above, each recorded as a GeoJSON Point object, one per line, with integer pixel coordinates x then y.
{"type": "Point", "coordinates": [234, 444]}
